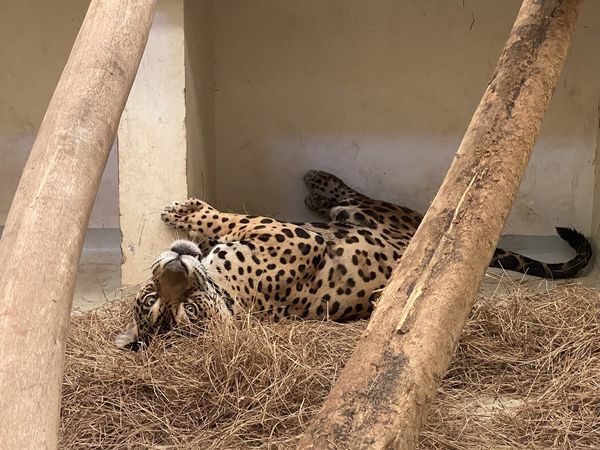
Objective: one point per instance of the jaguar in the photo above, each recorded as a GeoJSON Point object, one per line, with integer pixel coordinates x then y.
{"type": "Point", "coordinates": [236, 264]}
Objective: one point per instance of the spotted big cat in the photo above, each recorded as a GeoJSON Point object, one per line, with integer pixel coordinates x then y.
{"type": "Point", "coordinates": [236, 264]}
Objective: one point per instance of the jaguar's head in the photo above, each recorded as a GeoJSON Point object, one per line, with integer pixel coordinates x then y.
{"type": "Point", "coordinates": [178, 294]}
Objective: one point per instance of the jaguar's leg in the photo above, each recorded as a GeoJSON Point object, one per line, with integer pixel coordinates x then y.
{"type": "Point", "coordinates": [330, 195]}
{"type": "Point", "coordinates": [189, 217]}
{"type": "Point", "coordinates": [326, 185]}
{"type": "Point", "coordinates": [320, 204]}
{"type": "Point", "coordinates": [198, 218]}
{"type": "Point", "coordinates": [347, 211]}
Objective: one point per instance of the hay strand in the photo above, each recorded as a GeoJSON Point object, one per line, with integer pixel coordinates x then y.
{"type": "Point", "coordinates": [526, 375]}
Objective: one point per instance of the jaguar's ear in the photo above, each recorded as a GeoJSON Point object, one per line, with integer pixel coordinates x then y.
{"type": "Point", "coordinates": [128, 338]}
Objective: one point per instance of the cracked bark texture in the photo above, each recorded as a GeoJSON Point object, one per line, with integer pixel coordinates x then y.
{"type": "Point", "coordinates": [382, 396]}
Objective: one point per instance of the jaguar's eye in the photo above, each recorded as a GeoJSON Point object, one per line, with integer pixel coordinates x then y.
{"type": "Point", "coordinates": [191, 309]}
{"type": "Point", "coordinates": [150, 300]}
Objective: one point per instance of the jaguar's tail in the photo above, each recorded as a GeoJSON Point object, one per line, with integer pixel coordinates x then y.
{"type": "Point", "coordinates": [573, 268]}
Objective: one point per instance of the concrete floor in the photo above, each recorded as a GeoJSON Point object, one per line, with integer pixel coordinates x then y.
{"type": "Point", "coordinates": [100, 276]}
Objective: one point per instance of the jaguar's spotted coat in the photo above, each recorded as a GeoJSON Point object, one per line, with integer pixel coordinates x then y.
{"type": "Point", "coordinates": [276, 269]}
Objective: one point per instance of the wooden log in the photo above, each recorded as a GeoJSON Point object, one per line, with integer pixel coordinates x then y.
{"type": "Point", "coordinates": [43, 236]}
{"type": "Point", "coordinates": [382, 396]}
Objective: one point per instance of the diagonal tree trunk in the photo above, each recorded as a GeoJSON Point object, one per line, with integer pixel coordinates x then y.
{"type": "Point", "coordinates": [383, 395]}
{"type": "Point", "coordinates": [42, 240]}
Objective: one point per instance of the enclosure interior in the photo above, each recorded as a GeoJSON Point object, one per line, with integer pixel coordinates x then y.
{"type": "Point", "coordinates": [36, 40]}
{"type": "Point", "coordinates": [381, 96]}
{"type": "Point", "coordinates": [236, 99]}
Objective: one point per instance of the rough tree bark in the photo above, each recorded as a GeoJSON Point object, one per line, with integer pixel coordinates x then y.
{"type": "Point", "coordinates": [383, 394]}
{"type": "Point", "coordinates": [43, 236]}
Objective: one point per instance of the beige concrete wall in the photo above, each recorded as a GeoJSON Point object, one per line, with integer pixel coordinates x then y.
{"type": "Point", "coordinates": [559, 182]}
{"type": "Point", "coordinates": [35, 41]}
{"type": "Point", "coordinates": [381, 93]}
{"type": "Point", "coordinates": [152, 144]}
{"type": "Point", "coordinates": [200, 98]}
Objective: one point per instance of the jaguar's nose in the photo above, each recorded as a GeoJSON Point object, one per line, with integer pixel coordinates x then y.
{"type": "Point", "coordinates": [176, 265]}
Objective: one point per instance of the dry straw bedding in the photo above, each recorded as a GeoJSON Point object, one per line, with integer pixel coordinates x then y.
{"type": "Point", "coordinates": [526, 375]}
